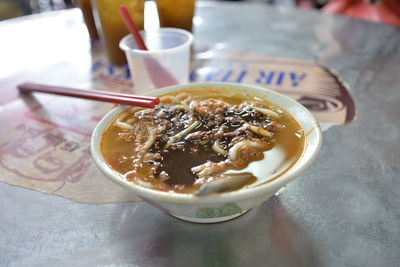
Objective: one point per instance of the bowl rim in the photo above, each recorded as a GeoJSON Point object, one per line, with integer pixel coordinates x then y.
{"type": "Point", "coordinates": [233, 196]}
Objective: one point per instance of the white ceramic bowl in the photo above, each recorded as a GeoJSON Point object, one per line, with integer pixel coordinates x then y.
{"type": "Point", "coordinates": [221, 206]}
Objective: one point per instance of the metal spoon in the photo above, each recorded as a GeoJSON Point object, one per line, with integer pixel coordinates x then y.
{"type": "Point", "coordinates": [226, 182]}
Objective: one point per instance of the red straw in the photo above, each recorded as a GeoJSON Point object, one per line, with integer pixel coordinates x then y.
{"type": "Point", "coordinates": [133, 100]}
{"type": "Point", "coordinates": [130, 24]}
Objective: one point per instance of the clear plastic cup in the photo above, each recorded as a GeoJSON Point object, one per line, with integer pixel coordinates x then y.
{"type": "Point", "coordinates": [166, 62]}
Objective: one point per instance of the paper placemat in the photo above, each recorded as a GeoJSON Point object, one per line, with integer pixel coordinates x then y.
{"type": "Point", "coordinates": [45, 139]}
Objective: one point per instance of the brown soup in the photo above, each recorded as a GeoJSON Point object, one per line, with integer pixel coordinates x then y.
{"type": "Point", "coordinates": [194, 136]}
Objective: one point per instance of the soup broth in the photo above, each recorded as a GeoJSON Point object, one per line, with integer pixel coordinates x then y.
{"type": "Point", "coordinates": [193, 137]}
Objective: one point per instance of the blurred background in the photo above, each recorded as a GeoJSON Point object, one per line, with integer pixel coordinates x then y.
{"type": "Point", "coordinates": [379, 11]}
{"type": "Point", "coordinates": [15, 8]}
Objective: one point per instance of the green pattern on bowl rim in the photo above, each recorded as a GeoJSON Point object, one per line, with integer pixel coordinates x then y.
{"type": "Point", "coordinates": [222, 211]}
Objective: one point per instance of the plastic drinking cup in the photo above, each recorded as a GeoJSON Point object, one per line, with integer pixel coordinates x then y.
{"type": "Point", "coordinates": [166, 62]}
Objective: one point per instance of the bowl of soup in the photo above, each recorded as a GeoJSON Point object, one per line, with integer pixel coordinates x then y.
{"type": "Point", "coordinates": [183, 155]}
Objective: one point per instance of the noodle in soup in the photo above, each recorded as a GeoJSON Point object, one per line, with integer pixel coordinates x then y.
{"type": "Point", "coordinates": [194, 136]}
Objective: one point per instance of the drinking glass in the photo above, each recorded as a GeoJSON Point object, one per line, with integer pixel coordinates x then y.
{"type": "Point", "coordinates": [176, 13]}
{"type": "Point", "coordinates": [113, 27]}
